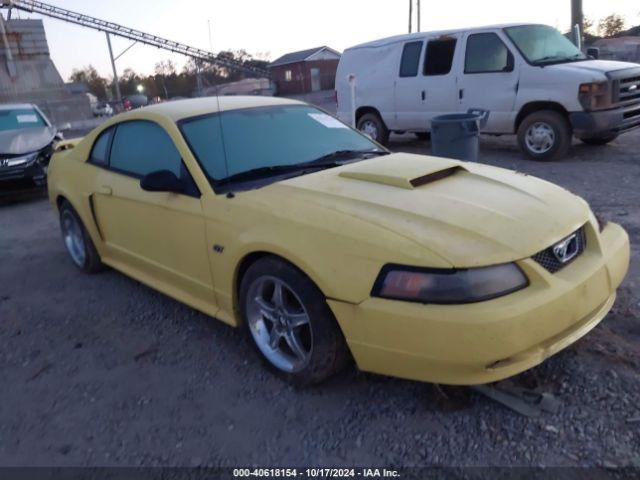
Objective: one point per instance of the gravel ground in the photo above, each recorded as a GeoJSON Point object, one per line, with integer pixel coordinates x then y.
{"type": "Point", "coordinates": [101, 370]}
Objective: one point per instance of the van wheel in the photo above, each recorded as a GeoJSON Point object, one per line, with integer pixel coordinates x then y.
{"type": "Point", "coordinates": [372, 125]}
{"type": "Point", "coordinates": [545, 135]}
{"type": "Point", "coordinates": [599, 140]}
{"type": "Point", "coordinates": [423, 135]}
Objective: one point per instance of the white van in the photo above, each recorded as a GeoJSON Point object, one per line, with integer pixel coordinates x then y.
{"type": "Point", "coordinates": [531, 78]}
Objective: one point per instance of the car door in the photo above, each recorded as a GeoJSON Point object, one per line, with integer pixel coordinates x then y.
{"type": "Point", "coordinates": [432, 91]}
{"type": "Point", "coordinates": [489, 80]}
{"type": "Point", "coordinates": [158, 237]}
{"type": "Point", "coordinates": [409, 83]}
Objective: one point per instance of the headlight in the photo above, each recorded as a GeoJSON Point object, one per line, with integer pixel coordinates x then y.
{"type": "Point", "coordinates": [444, 286]}
{"type": "Point", "coordinates": [26, 160]}
{"type": "Point", "coordinates": [595, 96]}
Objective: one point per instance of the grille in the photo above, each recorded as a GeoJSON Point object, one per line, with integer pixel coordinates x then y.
{"type": "Point", "coordinates": [547, 259]}
{"type": "Point", "coordinates": [629, 89]}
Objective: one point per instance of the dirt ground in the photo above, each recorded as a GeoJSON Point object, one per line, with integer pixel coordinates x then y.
{"type": "Point", "coordinates": [101, 370]}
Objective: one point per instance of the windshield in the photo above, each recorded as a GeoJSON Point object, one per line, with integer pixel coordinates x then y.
{"type": "Point", "coordinates": [541, 44]}
{"type": "Point", "coordinates": [238, 141]}
{"type": "Point", "coordinates": [19, 119]}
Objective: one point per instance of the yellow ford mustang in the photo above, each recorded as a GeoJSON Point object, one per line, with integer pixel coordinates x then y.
{"type": "Point", "coordinates": [270, 214]}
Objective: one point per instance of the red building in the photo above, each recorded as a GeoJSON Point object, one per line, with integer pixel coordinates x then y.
{"type": "Point", "coordinates": [305, 71]}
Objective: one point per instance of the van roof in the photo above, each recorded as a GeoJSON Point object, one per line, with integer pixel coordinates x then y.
{"type": "Point", "coordinates": [421, 35]}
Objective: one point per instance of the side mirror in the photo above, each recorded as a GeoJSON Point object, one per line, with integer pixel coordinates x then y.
{"type": "Point", "coordinates": [162, 181]}
{"type": "Point", "coordinates": [593, 52]}
{"type": "Point", "coordinates": [510, 63]}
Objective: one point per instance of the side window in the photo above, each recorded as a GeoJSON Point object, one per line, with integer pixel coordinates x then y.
{"type": "Point", "coordinates": [141, 147]}
{"type": "Point", "coordinates": [439, 56]}
{"type": "Point", "coordinates": [410, 59]}
{"type": "Point", "coordinates": [486, 53]}
{"type": "Point", "coordinates": [100, 151]}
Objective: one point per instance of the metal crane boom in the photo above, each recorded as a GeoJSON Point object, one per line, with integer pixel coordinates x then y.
{"type": "Point", "coordinates": [52, 11]}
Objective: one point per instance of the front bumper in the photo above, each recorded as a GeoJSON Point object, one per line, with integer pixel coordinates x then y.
{"type": "Point", "coordinates": [23, 176]}
{"type": "Point", "coordinates": [602, 123]}
{"type": "Point", "coordinates": [489, 341]}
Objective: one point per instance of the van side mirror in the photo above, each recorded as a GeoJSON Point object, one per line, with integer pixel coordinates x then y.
{"type": "Point", "coordinates": [511, 61]}
{"type": "Point", "coordinates": [593, 52]}
{"type": "Point", "coordinates": [162, 181]}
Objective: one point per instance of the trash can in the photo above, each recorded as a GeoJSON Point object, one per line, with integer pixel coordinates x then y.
{"type": "Point", "coordinates": [458, 135]}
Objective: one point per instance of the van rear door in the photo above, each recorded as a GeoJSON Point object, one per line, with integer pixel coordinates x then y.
{"type": "Point", "coordinates": [488, 79]}
{"type": "Point", "coordinates": [426, 83]}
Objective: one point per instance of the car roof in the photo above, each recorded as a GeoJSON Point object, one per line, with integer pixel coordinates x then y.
{"type": "Point", "coordinates": [422, 35]}
{"type": "Point", "coordinates": [180, 109]}
{"type": "Point", "coordinates": [16, 106]}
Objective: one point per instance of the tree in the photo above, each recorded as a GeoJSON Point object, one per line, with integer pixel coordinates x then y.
{"type": "Point", "coordinates": [611, 26]}
{"type": "Point", "coordinates": [89, 76]}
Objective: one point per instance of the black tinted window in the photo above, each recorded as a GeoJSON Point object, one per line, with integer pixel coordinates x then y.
{"type": "Point", "coordinates": [142, 147]}
{"type": "Point", "coordinates": [486, 53]}
{"type": "Point", "coordinates": [439, 56]}
{"type": "Point", "coordinates": [410, 59]}
{"type": "Point", "coordinates": [100, 151]}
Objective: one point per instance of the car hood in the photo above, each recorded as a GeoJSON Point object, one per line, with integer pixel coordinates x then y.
{"type": "Point", "coordinates": [18, 142]}
{"type": "Point", "coordinates": [467, 213]}
{"type": "Point", "coordinates": [593, 66]}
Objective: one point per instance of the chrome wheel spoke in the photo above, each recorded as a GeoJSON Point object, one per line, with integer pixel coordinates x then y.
{"type": "Point", "coordinates": [278, 299]}
{"type": "Point", "coordinates": [295, 345]}
{"type": "Point", "coordinates": [295, 320]}
{"type": "Point", "coordinates": [274, 338]}
{"type": "Point", "coordinates": [268, 311]}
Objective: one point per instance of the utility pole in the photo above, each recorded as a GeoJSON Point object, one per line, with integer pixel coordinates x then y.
{"type": "Point", "coordinates": [577, 18]}
{"type": "Point", "coordinates": [113, 66]}
{"type": "Point", "coordinates": [410, 14]}
{"type": "Point", "coordinates": [419, 28]}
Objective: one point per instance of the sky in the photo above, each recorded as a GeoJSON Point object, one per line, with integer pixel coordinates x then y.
{"type": "Point", "coordinates": [273, 27]}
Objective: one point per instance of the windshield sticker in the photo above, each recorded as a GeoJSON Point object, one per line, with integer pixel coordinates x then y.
{"type": "Point", "coordinates": [30, 118]}
{"type": "Point", "coordinates": [327, 120]}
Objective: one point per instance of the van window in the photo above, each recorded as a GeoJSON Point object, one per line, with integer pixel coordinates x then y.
{"type": "Point", "coordinates": [439, 56]}
{"type": "Point", "coordinates": [410, 59]}
{"type": "Point", "coordinates": [486, 53]}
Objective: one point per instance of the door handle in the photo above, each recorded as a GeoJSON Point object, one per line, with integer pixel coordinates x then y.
{"type": "Point", "coordinates": [424, 95]}
{"type": "Point", "coordinates": [104, 190]}
{"type": "Point", "coordinates": [461, 93]}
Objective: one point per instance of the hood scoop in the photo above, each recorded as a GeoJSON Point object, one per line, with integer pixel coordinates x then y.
{"type": "Point", "coordinates": [403, 170]}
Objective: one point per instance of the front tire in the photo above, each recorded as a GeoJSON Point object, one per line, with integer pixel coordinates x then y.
{"type": "Point", "coordinates": [599, 140]}
{"type": "Point", "coordinates": [545, 135]}
{"type": "Point", "coordinates": [79, 245]}
{"type": "Point", "coordinates": [290, 324]}
{"type": "Point", "coordinates": [372, 125]}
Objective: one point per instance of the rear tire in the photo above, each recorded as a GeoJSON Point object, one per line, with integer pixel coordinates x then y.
{"type": "Point", "coordinates": [423, 136]}
{"type": "Point", "coordinates": [372, 125]}
{"type": "Point", "coordinates": [545, 135]}
{"type": "Point", "coordinates": [599, 140]}
{"type": "Point", "coordinates": [79, 245]}
{"type": "Point", "coordinates": [294, 331]}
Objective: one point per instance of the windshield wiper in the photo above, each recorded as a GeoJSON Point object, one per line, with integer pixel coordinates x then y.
{"type": "Point", "coordinates": [556, 59]}
{"type": "Point", "coordinates": [330, 158]}
{"type": "Point", "coordinates": [325, 161]}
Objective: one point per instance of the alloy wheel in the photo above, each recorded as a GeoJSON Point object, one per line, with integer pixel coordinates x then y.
{"type": "Point", "coordinates": [279, 324]}
{"type": "Point", "coordinates": [73, 238]}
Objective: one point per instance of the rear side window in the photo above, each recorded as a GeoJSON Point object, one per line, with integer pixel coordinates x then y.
{"type": "Point", "coordinates": [439, 56]}
{"type": "Point", "coordinates": [410, 59]}
{"type": "Point", "coordinates": [141, 147]}
{"type": "Point", "coordinates": [100, 150]}
{"type": "Point", "coordinates": [486, 53]}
